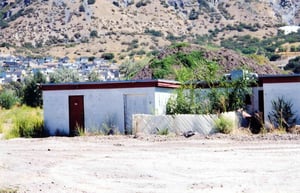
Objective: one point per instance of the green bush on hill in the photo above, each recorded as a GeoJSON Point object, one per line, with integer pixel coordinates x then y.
{"type": "Point", "coordinates": [293, 65]}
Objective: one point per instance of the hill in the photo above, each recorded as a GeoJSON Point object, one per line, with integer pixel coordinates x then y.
{"type": "Point", "coordinates": [126, 27]}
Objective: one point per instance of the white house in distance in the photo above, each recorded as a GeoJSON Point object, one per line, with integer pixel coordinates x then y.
{"type": "Point", "coordinates": [94, 105]}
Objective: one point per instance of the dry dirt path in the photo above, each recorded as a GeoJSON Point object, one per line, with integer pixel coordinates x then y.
{"type": "Point", "coordinates": [123, 164]}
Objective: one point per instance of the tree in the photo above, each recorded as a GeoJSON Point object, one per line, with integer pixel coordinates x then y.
{"type": "Point", "coordinates": [93, 76]}
{"type": "Point", "coordinates": [81, 8]}
{"type": "Point", "coordinates": [94, 34]}
{"type": "Point", "coordinates": [64, 75]}
{"type": "Point", "coordinates": [108, 56]}
{"type": "Point", "coordinates": [32, 91]}
{"type": "Point", "coordinates": [130, 68]}
{"type": "Point", "coordinates": [190, 99]}
{"type": "Point", "coordinates": [90, 2]}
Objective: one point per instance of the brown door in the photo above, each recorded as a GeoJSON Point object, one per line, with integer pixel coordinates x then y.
{"type": "Point", "coordinates": [76, 114]}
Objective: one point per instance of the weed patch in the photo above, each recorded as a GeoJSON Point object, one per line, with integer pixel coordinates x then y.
{"type": "Point", "coordinates": [224, 125]}
{"type": "Point", "coordinates": [22, 121]}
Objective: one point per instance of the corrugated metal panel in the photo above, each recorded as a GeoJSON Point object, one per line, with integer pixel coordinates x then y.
{"type": "Point", "coordinates": [202, 124]}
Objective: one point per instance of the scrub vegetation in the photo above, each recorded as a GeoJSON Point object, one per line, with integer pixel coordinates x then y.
{"type": "Point", "coordinates": [224, 125]}
{"type": "Point", "coordinates": [22, 121]}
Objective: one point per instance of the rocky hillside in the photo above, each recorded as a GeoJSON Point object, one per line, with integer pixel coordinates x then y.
{"type": "Point", "coordinates": [228, 60]}
{"type": "Point", "coordinates": [127, 27]}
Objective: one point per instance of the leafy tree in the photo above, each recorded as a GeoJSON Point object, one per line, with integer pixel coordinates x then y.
{"type": "Point", "coordinates": [130, 68]}
{"type": "Point", "coordinates": [189, 99]}
{"type": "Point", "coordinates": [64, 75]}
{"type": "Point", "coordinates": [93, 76]}
{"type": "Point", "coordinates": [32, 92]}
{"type": "Point", "coordinates": [237, 90]}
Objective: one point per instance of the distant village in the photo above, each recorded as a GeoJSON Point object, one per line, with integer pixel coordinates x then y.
{"type": "Point", "coordinates": [16, 68]}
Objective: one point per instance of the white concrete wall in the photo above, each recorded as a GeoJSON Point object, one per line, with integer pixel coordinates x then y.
{"type": "Point", "coordinates": [56, 112]}
{"type": "Point", "coordinates": [99, 106]}
{"type": "Point", "coordinates": [289, 91]}
{"type": "Point", "coordinates": [162, 96]}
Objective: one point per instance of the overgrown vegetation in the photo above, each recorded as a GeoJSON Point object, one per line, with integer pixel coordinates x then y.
{"type": "Point", "coordinates": [22, 121]}
{"type": "Point", "coordinates": [196, 74]}
{"type": "Point", "coordinates": [7, 98]}
{"type": "Point", "coordinates": [293, 65]}
{"type": "Point", "coordinates": [224, 125]}
{"type": "Point", "coordinates": [130, 68]}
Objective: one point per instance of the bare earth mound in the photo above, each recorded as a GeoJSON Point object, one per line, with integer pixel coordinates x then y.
{"type": "Point", "coordinates": [152, 164]}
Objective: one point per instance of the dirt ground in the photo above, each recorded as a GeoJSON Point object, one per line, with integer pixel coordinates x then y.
{"type": "Point", "coordinates": [155, 164]}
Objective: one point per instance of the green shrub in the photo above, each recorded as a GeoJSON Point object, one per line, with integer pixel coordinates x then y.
{"type": "Point", "coordinates": [224, 125]}
{"type": "Point", "coordinates": [193, 15]}
{"type": "Point", "coordinates": [91, 2]}
{"type": "Point", "coordinates": [107, 56]}
{"type": "Point", "coordinates": [282, 115]}
{"type": "Point", "coordinates": [164, 131]}
{"type": "Point", "coordinates": [293, 64]}
{"type": "Point", "coordinates": [142, 3]}
{"type": "Point", "coordinates": [81, 8]}
{"type": "Point", "coordinates": [29, 126]}
{"type": "Point", "coordinates": [7, 99]}
{"type": "Point", "coordinates": [94, 34]}
{"type": "Point", "coordinates": [153, 32]}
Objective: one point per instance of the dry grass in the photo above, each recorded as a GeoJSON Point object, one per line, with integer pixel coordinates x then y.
{"type": "Point", "coordinates": [11, 119]}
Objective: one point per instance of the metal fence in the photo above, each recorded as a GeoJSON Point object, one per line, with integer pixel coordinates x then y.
{"type": "Point", "coordinates": [202, 124]}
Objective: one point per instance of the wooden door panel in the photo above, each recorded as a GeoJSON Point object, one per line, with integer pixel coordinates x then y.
{"type": "Point", "coordinates": [76, 114]}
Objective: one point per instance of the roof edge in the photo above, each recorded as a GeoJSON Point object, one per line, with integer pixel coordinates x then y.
{"type": "Point", "coordinates": [110, 85]}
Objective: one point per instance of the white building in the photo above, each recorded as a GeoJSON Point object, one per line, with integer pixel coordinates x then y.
{"type": "Point", "coordinates": [289, 29]}
{"type": "Point", "coordinates": [273, 87]}
{"type": "Point", "coordinates": [95, 105]}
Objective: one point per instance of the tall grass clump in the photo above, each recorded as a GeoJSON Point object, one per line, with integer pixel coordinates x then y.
{"type": "Point", "coordinates": [224, 125]}
{"type": "Point", "coordinates": [22, 121]}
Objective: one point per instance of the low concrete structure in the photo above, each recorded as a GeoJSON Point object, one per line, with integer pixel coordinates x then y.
{"type": "Point", "coordinates": [280, 86]}
{"type": "Point", "coordinates": [98, 106]}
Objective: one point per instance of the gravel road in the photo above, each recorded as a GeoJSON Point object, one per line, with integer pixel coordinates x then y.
{"type": "Point", "coordinates": [117, 164]}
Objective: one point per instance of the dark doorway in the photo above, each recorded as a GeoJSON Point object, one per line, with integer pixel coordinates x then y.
{"type": "Point", "coordinates": [261, 101]}
{"type": "Point", "coordinates": [76, 115]}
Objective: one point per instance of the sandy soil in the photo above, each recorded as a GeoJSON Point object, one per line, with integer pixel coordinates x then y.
{"type": "Point", "coordinates": [151, 164]}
